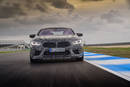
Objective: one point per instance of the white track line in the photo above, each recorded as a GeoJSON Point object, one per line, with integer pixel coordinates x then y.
{"type": "Point", "coordinates": [100, 56]}
{"type": "Point", "coordinates": [115, 62]}
{"type": "Point", "coordinates": [126, 73]}
{"type": "Point", "coordinates": [88, 54]}
{"type": "Point", "coordinates": [113, 72]}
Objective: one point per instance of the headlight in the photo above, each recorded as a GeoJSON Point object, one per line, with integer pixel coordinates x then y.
{"type": "Point", "coordinates": [77, 42]}
{"type": "Point", "coordinates": [34, 43]}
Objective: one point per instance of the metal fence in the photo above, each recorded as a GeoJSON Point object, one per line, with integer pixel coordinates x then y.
{"type": "Point", "coordinates": [13, 45]}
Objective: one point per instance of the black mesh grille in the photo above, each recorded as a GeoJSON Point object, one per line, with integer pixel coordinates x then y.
{"type": "Point", "coordinates": [56, 44]}
{"type": "Point", "coordinates": [63, 44]}
{"type": "Point", "coordinates": [49, 44]}
{"type": "Point", "coordinates": [37, 53]}
{"type": "Point", "coordinates": [56, 53]}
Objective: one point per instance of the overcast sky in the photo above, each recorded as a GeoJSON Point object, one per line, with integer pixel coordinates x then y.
{"type": "Point", "coordinates": [101, 21]}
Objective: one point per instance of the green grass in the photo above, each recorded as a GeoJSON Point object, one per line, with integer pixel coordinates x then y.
{"type": "Point", "coordinates": [13, 51]}
{"type": "Point", "coordinates": [120, 52]}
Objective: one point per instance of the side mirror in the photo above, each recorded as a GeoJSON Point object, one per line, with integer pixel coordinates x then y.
{"type": "Point", "coordinates": [79, 34]}
{"type": "Point", "coordinates": [32, 35]}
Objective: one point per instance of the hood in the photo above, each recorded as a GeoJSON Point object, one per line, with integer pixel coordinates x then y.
{"type": "Point", "coordinates": [57, 37]}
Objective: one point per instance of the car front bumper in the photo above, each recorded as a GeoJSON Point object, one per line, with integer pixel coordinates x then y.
{"type": "Point", "coordinates": [40, 53]}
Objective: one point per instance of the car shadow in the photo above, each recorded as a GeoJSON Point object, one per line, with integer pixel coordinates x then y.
{"type": "Point", "coordinates": [49, 62]}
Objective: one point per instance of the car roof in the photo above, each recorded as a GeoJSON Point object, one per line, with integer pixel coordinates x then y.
{"type": "Point", "coordinates": [56, 28]}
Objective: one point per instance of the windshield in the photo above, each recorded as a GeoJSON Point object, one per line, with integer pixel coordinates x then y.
{"type": "Point", "coordinates": [56, 32]}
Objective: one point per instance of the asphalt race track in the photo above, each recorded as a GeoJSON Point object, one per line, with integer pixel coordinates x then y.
{"type": "Point", "coordinates": [17, 71]}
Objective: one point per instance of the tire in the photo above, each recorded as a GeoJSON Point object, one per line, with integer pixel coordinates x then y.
{"type": "Point", "coordinates": [81, 58]}
{"type": "Point", "coordinates": [32, 60]}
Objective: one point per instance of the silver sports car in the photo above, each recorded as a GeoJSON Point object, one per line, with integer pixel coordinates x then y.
{"type": "Point", "coordinates": [56, 43]}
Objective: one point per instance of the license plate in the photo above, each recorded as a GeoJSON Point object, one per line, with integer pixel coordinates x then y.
{"type": "Point", "coordinates": [57, 50]}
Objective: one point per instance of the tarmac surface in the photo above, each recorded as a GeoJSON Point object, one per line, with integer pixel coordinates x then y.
{"type": "Point", "coordinates": [17, 71]}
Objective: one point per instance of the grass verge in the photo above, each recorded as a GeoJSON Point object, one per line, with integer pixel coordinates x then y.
{"type": "Point", "coordinates": [13, 51]}
{"type": "Point", "coordinates": [120, 52]}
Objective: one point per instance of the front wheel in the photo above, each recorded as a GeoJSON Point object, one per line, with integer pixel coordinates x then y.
{"type": "Point", "coordinates": [32, 60]}
{"type": "Point", "coordinates": [81, 58]}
